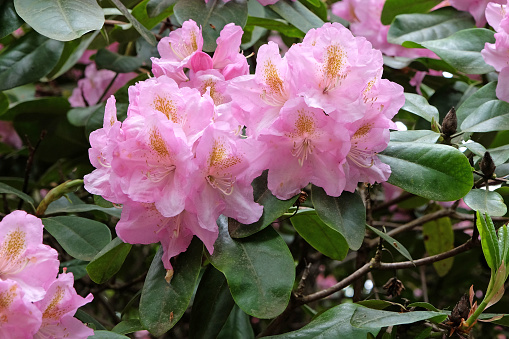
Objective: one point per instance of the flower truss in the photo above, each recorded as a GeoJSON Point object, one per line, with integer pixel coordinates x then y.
{"type": "Point", "coordinates": [199, 132]}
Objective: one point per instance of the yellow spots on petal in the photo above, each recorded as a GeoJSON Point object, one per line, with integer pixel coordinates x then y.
{"type": "Point", "coordinates": [362, 131]}
{"type": "Point", "coordinates": [304, 132]}
{"type": "Point", "coordinates": [213, 92]}
{"type": "Point", "coordinates": [194, 43]}
{"type": "Point", "coordinates": [369, 99]}
{"type": "Point", "coordinates": [272, 78]}
{"type": "Point", "coordinates": [220, 158]}
{"type": "Point", "coordinates": [157, 143]}
{"type": "Point", "coordinates": [6, 299]}
{"type": "Point", "coordinates": [112, 121]}
{"type": "Point", "coordinates": [14, 245]}
{"type": "Point", "coordinates": [167, 106]}
{"type": "Point", "coordinates": [334, 67]}
{"type": "Point", "coordinates": [53, 311]}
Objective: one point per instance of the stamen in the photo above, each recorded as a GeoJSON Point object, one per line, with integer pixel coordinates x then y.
{"type": "Point", "coordinates": [224, 184]}
{"type": "Point", "coordinates": [302, 149]}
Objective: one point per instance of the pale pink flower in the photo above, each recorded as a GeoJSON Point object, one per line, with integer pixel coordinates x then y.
{"type": "Point", "coordinates": [212, 83]}
{"type": "Point", "coordinates": [23, 256]}
{"type": "Point", "coordinates": [495, 15]}
{"type": "Point", "coordinates": [227, 56]}
{"type": "Point", "coordinates": [9, 136]}
{"type": "Point", "coordinates": [58, 307]}
{"type": "Point", "coordinates": [475, 7]}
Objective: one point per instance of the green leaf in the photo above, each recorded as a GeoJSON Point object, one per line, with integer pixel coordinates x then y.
{"type": "Point", "coordinates": [418, 105]}
{"type": "Point", "coordinates": [438, 238]}
{"type": "Point", "coordinates": [77, 267]}
{"type": "Point", "coordinates": [416, 136]}
{"type": "Point", "coordinates": [503, 244]}
{"type": "Point", "coordinates": [9, 18]}
{"type": "Point", "coordinates": [489, 241]}
{"type": "Point", "coordinates": [28, 59]}
{"type": "Point", "coordinates": [212, 305]}
{"type": "Point", "coordinates": [128, 326]}
{"type": "Point", "coordinates": [298, 15]}
{"type": "Point", "coordinates": [115, 62]}
{"type": "Point", "coordinates": [4, 188]}
{"type": "Point", "coordinates": [378, 304]}
{"type": "Point", "coordinates": [436, 172]}
{"type": "Point", "coordinates": [212, 17]}
{"type": "Point", "coordinates": [345, 214]}
{"type": "Point", "coordinates": [144, 32]}
{"type": "Point", "coordinates": [141, 14]}
{"type": "Point", "coordinates": [462, 50]}
{"type": "Point", "coordinates": [486, 201]}
{"type": "Point", "coordinates": [333, 323]}
{"type": "Point", "coordinates": [273, 208]}
{"type": "Point", "coordinates": [4, 103]}
{"type": "Point", "coordinates": [86, 318]}
{"type": "Point", "coordinates": [259, 270]}
{"type": "Point", "coordinates": [500, 154]}
{"type": "Point", "coordinates": [108, 261]}
{"type": "Point", "coordinates": [425, 305]}
{"type": "Point", "coordinates": [102, 334]}
{"type": "Point", "coordinates": [79, 237]}
{"type": "Point", "coordinates": [392, 8]}
{"type": "Point", "coordinates": [393, 242]}
{"type": "Point", "coordinates": [238, 326]}
{"type": "Point", "coordinates": [369, 318]}
{"type": "Point", "coordinates": [483, 112]}
{"type": "Point", "coordinates": [162, 304]}
{"type": "Point", "coordinates": [323, 238]}
{"type": "Point", "coordinates": [432, 26]}
{"type": "Point", "coordinates": [72, 204]}
{"type": "Point", "coordinates": [78, 116]}
{"type": "Point", "coordinates": [61, 20]}
{"type": "Point", "coordinates": [157, 7]}
{"type": "Point", "coordinates": [276, 25]}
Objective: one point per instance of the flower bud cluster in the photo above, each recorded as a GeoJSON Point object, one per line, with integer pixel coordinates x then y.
{"type": "Point", "coordinates": [198, 133]}
{"type": "Point", "coordinates": [34, 303]}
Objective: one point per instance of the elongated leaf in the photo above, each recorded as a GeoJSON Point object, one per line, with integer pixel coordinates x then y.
{"type": "Point", "coordinates": [28, 59]}
{"type": "Point", "coordinates": [462, 50]}
{"type": "Point", "coordinates": [438, 238]}
{"type": "Point", "coordinates": [9, 18]}
{"type": "Point", "coordinates": [489, 241]}
{"type": "Point", "coordinates": [140, 12]}
{"type": "Point", "coordinates": [368, 318]}
{"type": "Point", "coordinates": [259, 270]}
{"type": "Point", "coordinates": [273, 208]}
{"type": "Point", "coordinates": [78, 116]}
{"type": "Point", "coordinates": [81, 238]}
{"type": "Point", "coordinates": [4, 103]}
{"type": "Point", "coordinates": [432, 26]}
{"type": "Point", "coordinates": [500, 154]}
{"type": "Point", "coordinates": [346, 214]}
{"type": "Point", "coordinates": [162, 304]}
{"type": "Point", "coordinates": [72, 204]}
{"type": "Point", "coordinates": [483, 112]}
{"type": "Point", "coordinates": [238, 326]}
{"type": "Point", "coordinates": [436, 172]}
{"type": "Point", "coordinates": [156, 7]}
{"type": "Point", "coordinates": [418, 105]}
{"type": "Point", "coordinates": [323, 238]}
{"type": "Point", "coordinates": [4, 188]}
{"type": "Point", "coordinates": [106, 59]}
{"type": "Point", "coordinates": [144, 32]}
{"type": "Point", "coordinates": [425, 305]}
{"type": "Point", "coordinates": [378, 304]}
{"type": "Point", "coordinates": [102, 334]}
{"type": "Point", "coordinates": [212, 305]}
{"type": "Point", "coordinates": [276, 25]}
{"type": "Point", "coordinates": [128, 326]}
{"type": "Point", "coordinates": [333, 323]}
{"type": "Point", "coordinates": [108, 261]}
{"type": "Point", "coordinates": [424, 136]}
{"type": "Point", "coordinates": [212, 17]}
{"type": "Point", "coordinates": [87, 318]}
{"type": "Point", "coordinates": [486, 201]}
{"type": "Point", "coordinates": [61, 20]}
{"type": "Point", "coordinates": [503, 244]}
{"type": "Point", "coordinates": [392, 8]}
{"type": "Point", "coordinates": [393, 242]}
{"type": "Point", "coordinates": [298, 15]}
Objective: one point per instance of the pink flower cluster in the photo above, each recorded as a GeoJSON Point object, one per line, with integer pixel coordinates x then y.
{"type": "Point", "coordinates": [33, 303]}
{"type": "Point", "coordinates": [182, 156]}
{"type": "Point", "coordinates": [474, 7]}
{"type": "Point", "coordinates": [497, 54]}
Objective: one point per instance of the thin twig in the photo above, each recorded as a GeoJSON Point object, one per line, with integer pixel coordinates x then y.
{"type": "Point", "coordinates": [30, 162]}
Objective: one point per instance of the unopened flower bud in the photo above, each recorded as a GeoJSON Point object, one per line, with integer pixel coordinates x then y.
{"type": "Point", "coordinates": [487, 165]}
{"type": "Point", "coordinates": [450, 123]}
{"type": "Point", "coordinates": [394, 287]}
{"type": "Point", "coordinates": [460, 311]}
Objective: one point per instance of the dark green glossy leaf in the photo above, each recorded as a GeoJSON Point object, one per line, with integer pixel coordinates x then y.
{"type": "Point", "coordinates": [77, 267]}
{"type": "Point", "coordinates": [392, 8]}
{"type": "Point", "coordinates": [418, 105]}
{"type": "Point", "coordinates": [500, 154]}
{"type": "Point", "coordinates": [393, 242]}
{"type": "Point", "coordinates": [59, 20]}
{"type": "Point", "coordinates": [162, 304]}
{"type": "Point", "coordinates": [115, 62]}
{"type": "Point", "coordinates": [323, 238]}
{"type": "Point", "coordinates": [9, 18]}
{"type": "Point", "coordinates": [503, 244]}
{"type": "Point", "coordinates": [212, 17]}
{"type": "Point", "coordinates": [4, 103]}
{"type": "Point", "coordinates": [378, 304]}
{"type": "Point", "coordinates": [81, 238]}
{"type": "Point", "coordinates": [273, 208]}
{"type": "Point", "coordinates": [108, 261]}
{"type": "Point", "coordinates": [489, 241]}
{"type": "Point", "coordinates": [140, 12]}
{"type": "Point", "coordinates": [157, 7]}
{"type": "Point", "coordinates": [298, 15]}
{"type": "Point", "coordinates": [78, 116]}
{"type": "Point", "coordinates": [462, 50]}
{"type": "Point", "coordinates": [425, 305]}
{"type": "Point", "coordinates": [483, 112]}
{"type": "Point", "coordinates": [418, 136]}
{"type": "Point", "coordinates": [438, 238]}
{"type": "Point", "coordinates": [4, 188]}
{"type": "Point", "coordinates": [486, 201]}
{"type": "Point", "coordinates": [128, 326]}
{"type": "Point", "coordinates": [102, 334]}
{"type": "Point", "coordinates": [345, 214]}
{"type": "Point", "coordinates": [28, 59]}
{"type": "Point", "coordinates": [369, 318]}
{"type": "Point", "coordinates": [259, 270]}
{"type": "Point", "coordinates": [276, 25]}
{"type": "Point", "coordinates": [436, 172]}
{"type": "Point", "coordinates": [144, 32]}
{"type": "Point", "coordinates": [432, 26]}
{"type": "Point", "coordinates": [86, 318]}
{"type": "Point", "coordinates": [238, 326]}
{"type": "Point", "coordinates": [212, 305]}
{"type": "Point", "coordinates": [72, 204]}
{"type": "Point", "coordinates": [333, 323]}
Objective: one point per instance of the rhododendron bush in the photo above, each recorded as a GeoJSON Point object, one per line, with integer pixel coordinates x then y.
{"type": "Point", "coordinates": [243, 168]}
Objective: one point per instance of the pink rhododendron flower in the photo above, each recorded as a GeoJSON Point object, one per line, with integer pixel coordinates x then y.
{"type": "Point", "coordinates": [475, 7]}
{"type": "Point", "coordinates": [9, 136]}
